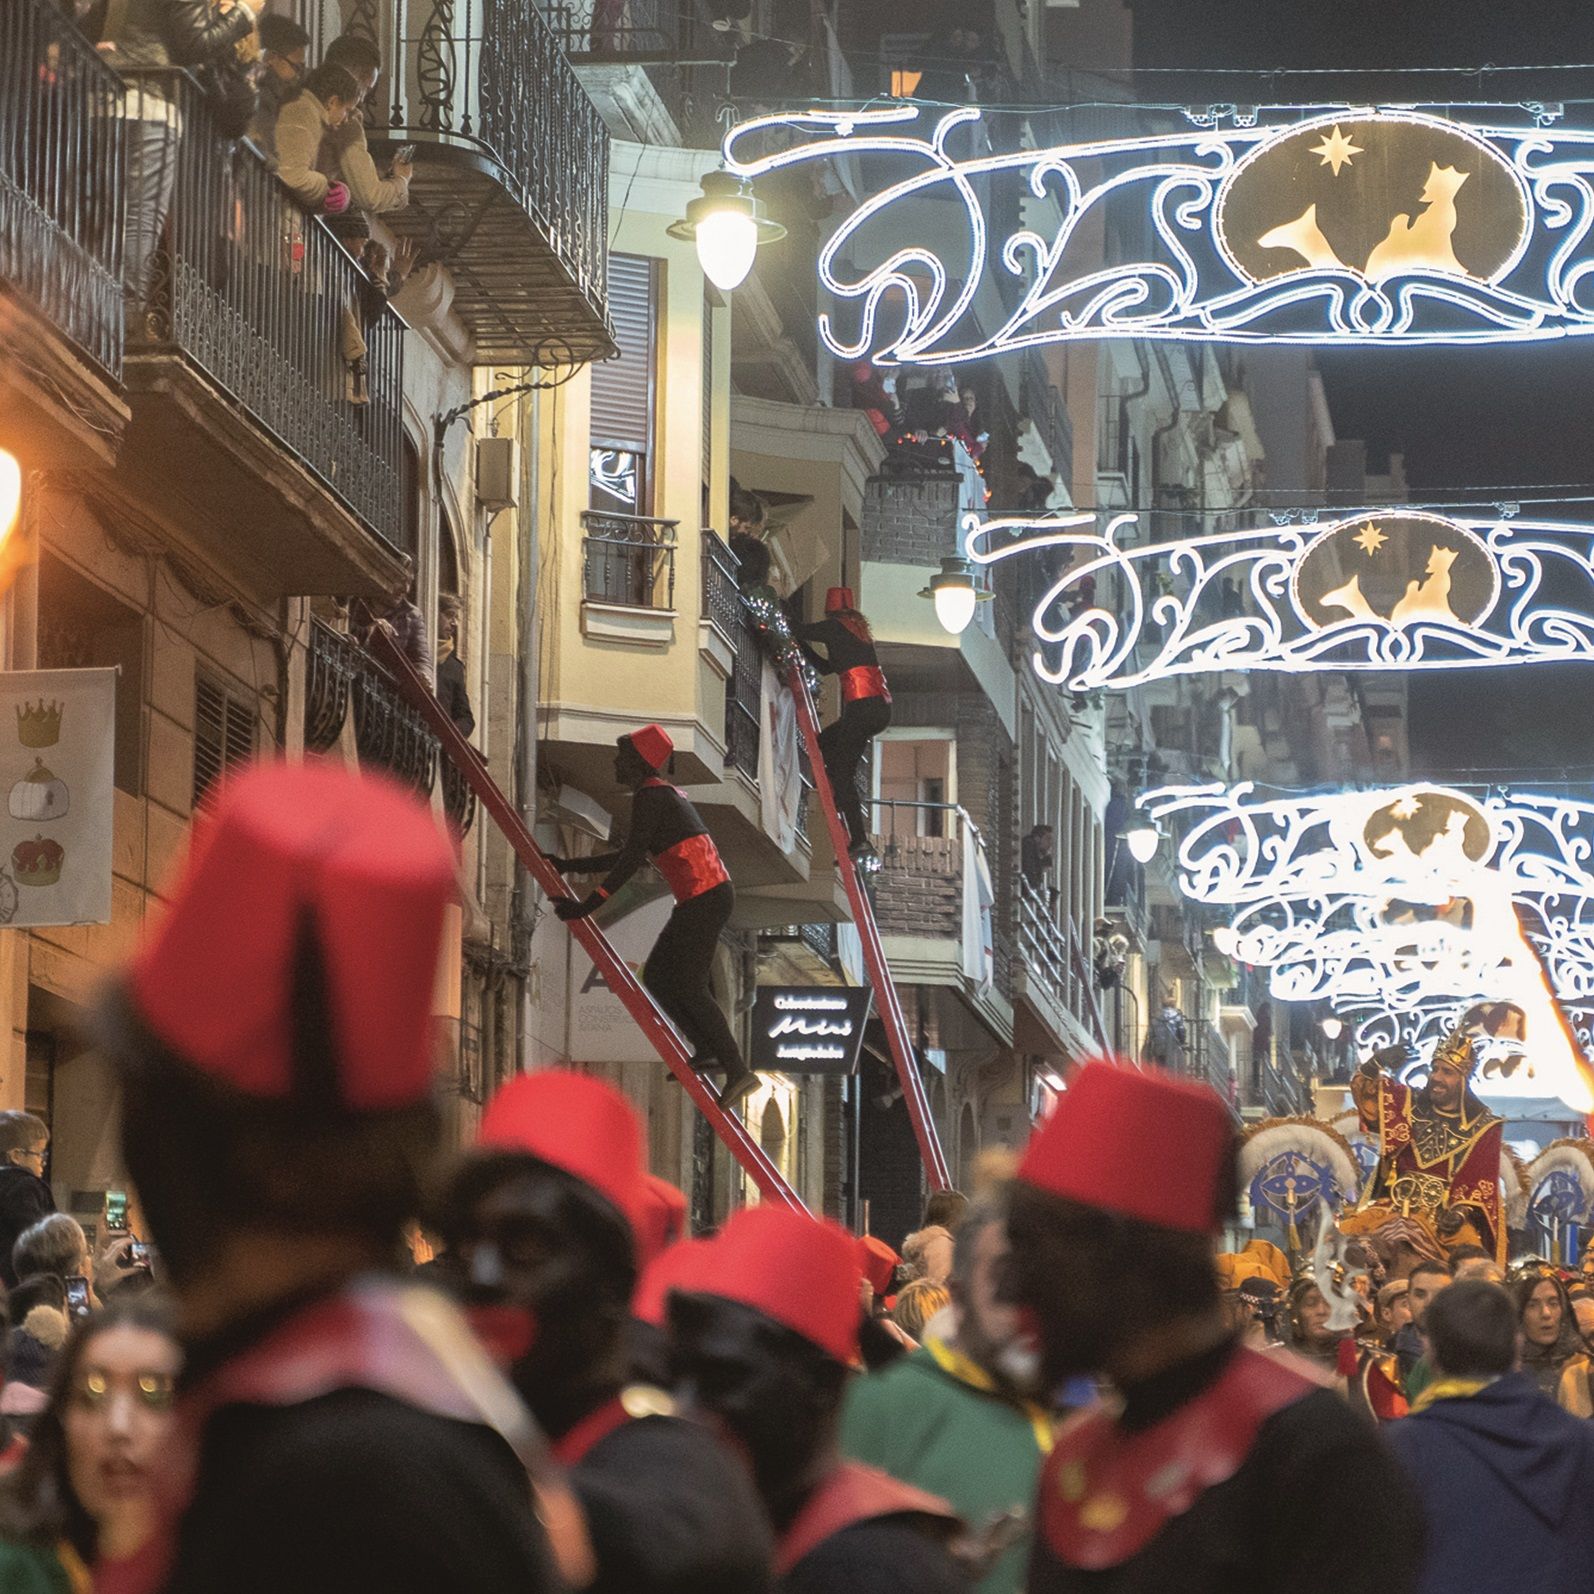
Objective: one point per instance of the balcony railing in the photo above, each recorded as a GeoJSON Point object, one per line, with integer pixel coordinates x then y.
{"type": "Point", "coordinates": [744, 697]}
{"type": "Point", "coordinates": [511, 184]}
{"type": "Point", "coordinates": [263, 300]}
{"type": "Point", "coordinates": [340, 678]}
{"type": "Point", "coordinates": [722, 599]}
{"type": "Point", "coordinates": [628, 560]}
{"type": "Point", "coordinates": [61, 178]}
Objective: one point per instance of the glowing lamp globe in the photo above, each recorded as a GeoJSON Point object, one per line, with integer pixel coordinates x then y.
{"type": "Point", "coordinates": [1141, 841]}
{"type": "Point", "coordinates": [1333, 1027]}
{"type": "Point", "coordinates": [10, 492]}
{"type": "Point", "coordinates": [955, 595]}
{"type": "Point", "coordinates": [727, 224]}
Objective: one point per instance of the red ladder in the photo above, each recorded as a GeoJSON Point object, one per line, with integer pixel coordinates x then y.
{"type": "Point", "coordinates": [658, 1029]}
{"type": "Point", "coordinates": [874, 957]}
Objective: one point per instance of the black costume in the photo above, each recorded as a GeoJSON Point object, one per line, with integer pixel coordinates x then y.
{"type": "Point", "coordinates": [665, 827]}
{"type": "Point", "coordinates": [865, 712]}
{"type": "Point", "coordinates": [1317, 1505]}
{"type": "Point", "coordinates": [24, 1199]}
{"type": "Point", "coordinates": [670, 1511]}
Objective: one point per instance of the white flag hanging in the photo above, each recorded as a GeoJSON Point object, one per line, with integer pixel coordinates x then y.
{"type": "Point", "coordinates": [57, 769]}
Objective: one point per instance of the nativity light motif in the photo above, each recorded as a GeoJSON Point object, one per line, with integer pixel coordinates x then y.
{"type": "Point", "coordinates": [1414, 902]}
{"type": "Point", "coordinates": [1374, 225]}
{"type": "Point", "coordinates": [1380, 589]}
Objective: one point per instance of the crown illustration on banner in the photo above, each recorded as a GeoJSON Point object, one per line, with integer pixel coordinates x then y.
{"type": "Point", "coordinates": [38, 724]}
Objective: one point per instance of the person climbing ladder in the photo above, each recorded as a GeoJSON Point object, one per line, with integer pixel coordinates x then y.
{"type": "Point", "coordinates": [865, 703]}
{"type": "Point", "coordinates": [665, 827]}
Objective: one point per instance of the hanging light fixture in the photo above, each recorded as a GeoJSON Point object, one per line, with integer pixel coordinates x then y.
{"type": "Point", "coordinates": [1333, 1027]}
{"type": "Point", "coordinates": [955, 595]}
{"type": "Point", "coordinates": [1141, 839]}
{"type": "Point", "coordinates": [727, 224]}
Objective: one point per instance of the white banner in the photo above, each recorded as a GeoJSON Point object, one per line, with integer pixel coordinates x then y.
{"type": "Point", "coordinates": [979, 899]}
{"type": "Point", "coordinates": [601, 1030]}
{"type": "Point", "coordinates": [57, 766]}
{"type": "Point", "coordinates": [779, 779]}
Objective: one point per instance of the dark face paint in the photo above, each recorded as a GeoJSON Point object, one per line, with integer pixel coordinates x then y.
{"type": "Point", "coordinates": [772, 1392]}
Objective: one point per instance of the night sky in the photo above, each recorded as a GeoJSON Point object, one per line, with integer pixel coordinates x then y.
{"type": "Point", "coordinates": [1464, 419]}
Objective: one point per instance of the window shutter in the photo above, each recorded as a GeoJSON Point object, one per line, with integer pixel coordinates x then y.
{"type": "Point", "coordinates": [622, 388]}
{"type": "Point", "coordinates": [224, 734]}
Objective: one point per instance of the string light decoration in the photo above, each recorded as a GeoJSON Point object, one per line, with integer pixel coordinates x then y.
{"type": "Point", "coordinates": [1379, 225]}
{"type": "Point", "coordinates": [1416, 900]}
{"type": "Point", "coordinates": [1378, 589]}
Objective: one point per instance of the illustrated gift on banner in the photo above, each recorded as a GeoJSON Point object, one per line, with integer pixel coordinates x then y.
{"type": "Point", "coordinates": [1380, 225]}
{"type": "Point", "coordinates": [57, 766]}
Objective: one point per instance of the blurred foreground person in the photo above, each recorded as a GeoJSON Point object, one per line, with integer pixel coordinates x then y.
{"type": "Point", "coordinates": [337, 1431]}
{"type": "Point", "coordinates": [542, 1221]}
{"type": "Point", "coordinates": [960, 1417]}
{"type": "Point", "coordinates": [764, 1327]}
{"type": "Point", "coordinates": [1224, 1466]}
{"type": "Point", "coordinates": [86, 1487]}
{"type": "Point", "coordinates": [1507, 1476]}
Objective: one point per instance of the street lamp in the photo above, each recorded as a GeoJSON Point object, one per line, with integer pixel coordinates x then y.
{"type": "Point", "coordinates": [955, 595]}
{"type": "Point", "coordinates": [727, 224]}
{"type": "Point", "coordinates": [1333, 1027]}
{"type": "Point", "coordinates": [10, 492]}
{"type": "Point", "coordinates": [1141, 839]}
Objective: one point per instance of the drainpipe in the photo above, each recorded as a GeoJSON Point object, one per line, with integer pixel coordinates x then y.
{"type": "Point", "coordinates": [523, 910]}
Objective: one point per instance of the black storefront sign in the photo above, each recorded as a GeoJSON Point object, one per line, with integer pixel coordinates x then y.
{"type": "Point", "coordinates": [809, 1029]}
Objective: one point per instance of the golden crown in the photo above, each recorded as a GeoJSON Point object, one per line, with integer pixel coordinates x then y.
{"type": "Point", "coordinates": [38, 724]}
{"type": "Point", "coordinates": [1456, 1051]}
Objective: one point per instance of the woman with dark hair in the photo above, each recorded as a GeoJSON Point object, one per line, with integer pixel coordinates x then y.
{"type": "Point", "coordinates": [1308, 1334]}
{"type": "Point", "coordinates": [1549, 1329]}
{"type": "Point", "coordinates": [865, 703]}
{"type": "Point", "coordinates": [86, 1485]}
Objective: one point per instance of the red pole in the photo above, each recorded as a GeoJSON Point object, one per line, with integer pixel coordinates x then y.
{"type": "Point", "coordinates": [659, 1031]}
{"type": "Point", "coordinates": [874, 957]}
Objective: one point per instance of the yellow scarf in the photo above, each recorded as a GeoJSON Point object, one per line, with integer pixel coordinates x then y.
{"type": "Point", "coordinates": [1449, 1389]}
{"type": "Point", "coordinates": [956, 1365]}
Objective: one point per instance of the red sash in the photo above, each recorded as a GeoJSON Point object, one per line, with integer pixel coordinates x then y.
{"type": "Point", "coordinates": [853, 1493]}
{"type": "Point", "coordinates": [590, 1432]}
{"type": "Point", "coordinates": [1107, 1493]}
{"type": "Point", "coordinates": [397, 1340]}
{"type": "Point", "coordinates": [691, 867]}
{"type": "Point", "coordinates": [863, 681]}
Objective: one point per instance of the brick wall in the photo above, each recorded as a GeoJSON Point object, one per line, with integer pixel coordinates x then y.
{"type": "Point", "coordinates": [910, 520]}
{"type": "Point", "coordinates": [909, 901]}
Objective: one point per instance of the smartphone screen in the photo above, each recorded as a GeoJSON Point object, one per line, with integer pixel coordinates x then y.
{"type": "Point", "coordinates": [116, 1210]}
{"type": "Point", "coordinates": [77, 1296]}
{"type": "Point", "coordinates": [138, 1253]}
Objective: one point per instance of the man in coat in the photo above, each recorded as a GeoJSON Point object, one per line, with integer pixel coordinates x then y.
{"type": "Point", "coordinates": [1220, 1465]}
{"type": "Point", "coordinates": [24, 1196]}
{"type": "Point", "coordinates": [1506, 1476]}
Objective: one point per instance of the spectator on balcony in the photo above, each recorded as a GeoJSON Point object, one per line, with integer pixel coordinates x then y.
{"type": "Point", "coordinates": [865, 703]}
{"type": "Point", "coordinates": [1167, 1037]}
{"type": "Point", "coordinates": [369, 194]}
{"type": "Point", "coordinates": [1036, 855]}
{"type": "Point", "coordinates": [401, 619]}
{"type": "Point", "coordinates": [280, 75]}
{"type": "Point", "coordinates": [143, 34]}
{"type": "Point", "coordinates": [325, 102]}
{"type": "Point", "coordinates": [875, 393]}
{"type": "Point", "coordinates": [452, 692]}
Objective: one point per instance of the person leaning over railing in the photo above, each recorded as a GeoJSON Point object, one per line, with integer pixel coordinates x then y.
{"type": "Point", "coordinates": [138, 34]}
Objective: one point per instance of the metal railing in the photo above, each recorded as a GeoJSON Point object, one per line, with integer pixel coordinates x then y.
{"type": "Point", "coordinates": [628, 560]}
{"type": "Point", "coordinates": [492, 76]}
{"type": "Point", "coordinates": [1043, 945]}
{"type": "Point", "coordinates": [264, 300]}
{"type": "Point", "coordinates": [61, 178]}
{"type": "Point", "coordinates": [744, 697]}
{"type": "Point", "coordinates": [722, 598]}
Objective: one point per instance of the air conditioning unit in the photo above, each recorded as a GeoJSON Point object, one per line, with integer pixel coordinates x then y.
{"type": "Point", "coordinates": [497, 473]}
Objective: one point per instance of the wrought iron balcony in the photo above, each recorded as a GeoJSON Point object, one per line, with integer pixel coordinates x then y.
{"type": "Point", "coordinates": [722, 600]}
{"type": "Point", "coordinates": [61, 179]}
{"type": "Point", "coordinates": [628, 560]}
{"type": "Point", "coordinates": [511, 184]}
{"type": "Point", "coordinates": [261, 300]}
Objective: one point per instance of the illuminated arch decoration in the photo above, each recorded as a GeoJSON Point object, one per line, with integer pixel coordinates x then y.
{"type": "Point", "coordinates": [1378, 225]}
{"type": "Point", "coordinates": [1415, 900]}
{"type": "Point", "coordinates": [1380, 589]}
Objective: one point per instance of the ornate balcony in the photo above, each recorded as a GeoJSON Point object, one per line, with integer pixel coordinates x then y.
{"type": "Point", "coordinates": [628, 560]}
{"type": "Point", "coordinates": [61, 179]}
{"type": "Point", "coordinates": [238, 360]}
{"type": "Point", "coordinates": [511, 184]}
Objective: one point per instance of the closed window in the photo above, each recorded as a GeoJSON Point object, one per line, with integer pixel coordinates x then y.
{"type": "Point", "coordinates": [224, 733]}
{"type": "Point", "coordinates": [623, 393]}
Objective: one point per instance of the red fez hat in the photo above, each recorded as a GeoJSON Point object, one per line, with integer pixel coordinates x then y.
{"type": "Point", "coordinates": [653, 745]}
{"type": "Point", "coordinates": [673, 1269]}
{"type": "Point", "coordinates": [794, 1269]}
{"type": "Point", "coordinates": [578, 1124]}
{"type": "Point", "coordinates": [878, 1262]}
{"type": "Point", "coordinates": [663, 1215]}
{"type": "Point", "coordinates": [1142, 1145]}
{"type": "Point", "coordinates": [300, 860]}
{"type": "Point", "coordinates": [839, 598]}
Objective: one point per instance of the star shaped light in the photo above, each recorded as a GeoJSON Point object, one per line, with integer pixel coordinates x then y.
{"type": "Point", "coordinates": [1336, 150]}
{"type": "Point", "coordinates": [1406, 808]}
{"type": "Point", "coordinates": [1369, 539]}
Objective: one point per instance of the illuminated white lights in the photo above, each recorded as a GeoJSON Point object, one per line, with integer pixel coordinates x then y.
{"type": "Point", "coordinates": [1392, 225]}
{"type": "Point", "coordinates": [1333, 1028]}
{"type": "Point", "coordinates": [1226, 939]}
{"type": "Point", "coordinates": [727, 225]}
{"type": "Point", "coordinates": [955, 595]}
{"type": "Point", "coordinates": [1415, 901]}
{"type": "Point", "coordinates": [10, 492]}
{"type": "Point", "coordinates": [1379, 589]}
{"type": "Point", "coordinates": [1142, 840]}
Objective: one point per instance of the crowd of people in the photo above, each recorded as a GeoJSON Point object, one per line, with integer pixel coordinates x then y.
{"type": "Point", "coordinates": [1056, 1383]}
